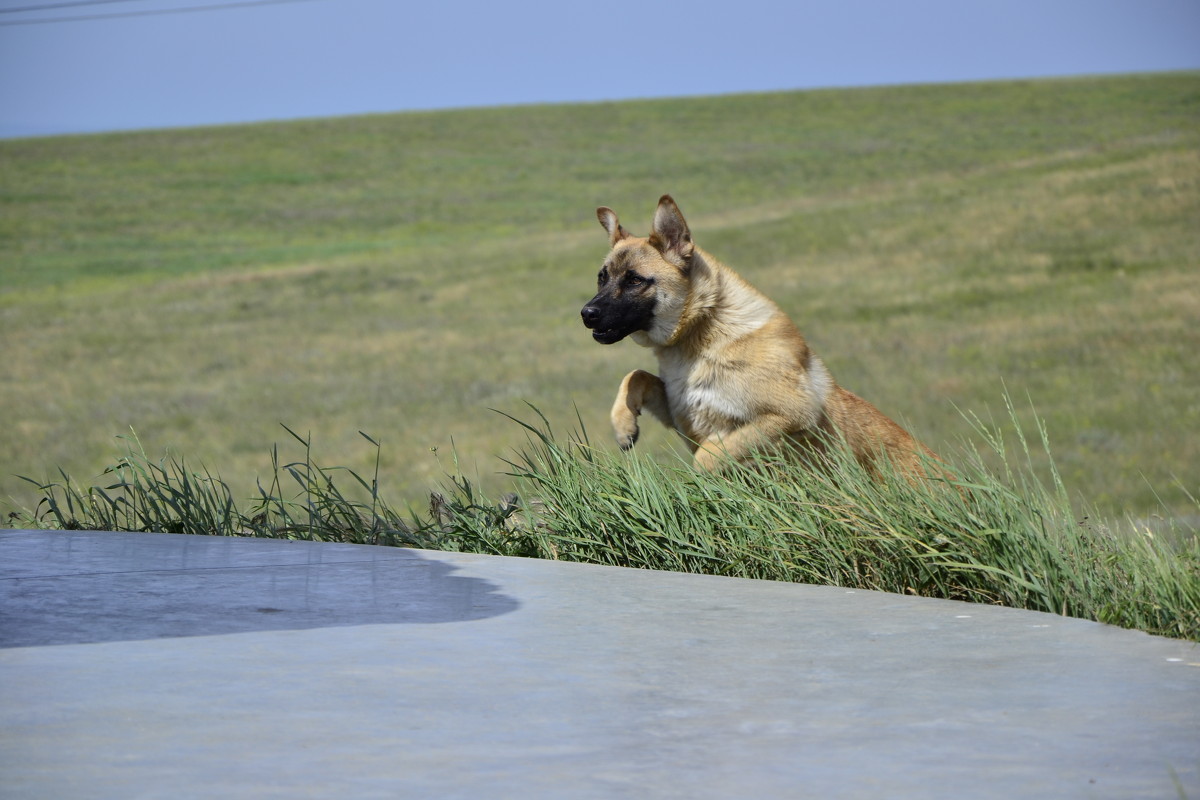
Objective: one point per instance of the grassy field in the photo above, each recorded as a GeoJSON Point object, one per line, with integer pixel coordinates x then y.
{"type": "Point", "coordinates": [403, 274]}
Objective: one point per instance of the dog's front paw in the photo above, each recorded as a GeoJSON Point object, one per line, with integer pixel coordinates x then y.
{"type": "Point", "coordinates": [625, 428]}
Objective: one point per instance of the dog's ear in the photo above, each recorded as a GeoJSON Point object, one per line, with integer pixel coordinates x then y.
{"type": "Point", "coordinates": [671, 235]}
{"type": "Point", "coordinates": [608, 218]}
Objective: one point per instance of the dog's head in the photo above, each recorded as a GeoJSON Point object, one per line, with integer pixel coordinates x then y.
{"type": "Point", "coordinates": [643, 285]}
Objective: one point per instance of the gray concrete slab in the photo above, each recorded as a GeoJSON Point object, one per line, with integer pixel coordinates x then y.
{"type": "Point", "coordinates": [152, 665]}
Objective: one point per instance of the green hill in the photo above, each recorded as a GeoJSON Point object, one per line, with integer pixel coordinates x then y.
{"type": "Point", "coordinates": [402, 274]}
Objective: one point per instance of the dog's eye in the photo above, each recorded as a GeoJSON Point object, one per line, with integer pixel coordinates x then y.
{"type": "Point", "coordinates": [602, 278]}
{"type": "Point", "coordinates": [634, 280]}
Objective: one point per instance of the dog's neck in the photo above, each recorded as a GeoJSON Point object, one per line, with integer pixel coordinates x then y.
{"type": "Point", "coordinates": [696, 324]}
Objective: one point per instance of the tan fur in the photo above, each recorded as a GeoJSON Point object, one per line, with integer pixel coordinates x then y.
{"type": "Point", "coordinates": [735, 374]}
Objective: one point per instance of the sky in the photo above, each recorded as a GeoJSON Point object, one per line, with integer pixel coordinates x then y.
{"type": "Point", "coordinates": [230, 62]}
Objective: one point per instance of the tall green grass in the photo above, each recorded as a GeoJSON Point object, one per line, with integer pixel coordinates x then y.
{"type": "Point", "coordinates": [1001, 537]}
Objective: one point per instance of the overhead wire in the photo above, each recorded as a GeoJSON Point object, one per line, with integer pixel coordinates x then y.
{"type": "Point", "coordinates": [126, 14]}
{"type": "Point", "coordinates": [48, 6]}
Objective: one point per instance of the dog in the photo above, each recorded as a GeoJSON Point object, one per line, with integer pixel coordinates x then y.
{"type": "Point", "coordinates": [735, 374]}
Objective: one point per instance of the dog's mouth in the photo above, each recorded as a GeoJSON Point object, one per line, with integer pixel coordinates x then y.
{"type": "Point", "coordinates": [610, 336]}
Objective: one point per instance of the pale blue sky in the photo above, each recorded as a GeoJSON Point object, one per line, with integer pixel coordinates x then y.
{"type": "Point", "coordinates": [318, 58]}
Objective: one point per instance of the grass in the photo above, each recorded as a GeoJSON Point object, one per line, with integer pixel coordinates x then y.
{"type": "Point", "coordinates": [404, 273]}
{"type": "Point", "coordinates": [1004, 538]}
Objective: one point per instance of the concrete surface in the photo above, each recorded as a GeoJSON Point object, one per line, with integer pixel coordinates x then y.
{"type": "Point", "coordinates": [152, 665]}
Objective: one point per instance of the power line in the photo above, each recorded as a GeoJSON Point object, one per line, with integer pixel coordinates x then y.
{"type": "Point", "coordinates": [148, 12]}
{"type": "Point", "coordinates": [61, 5]}
{"type": "Point", "coordinates": [23, 9]}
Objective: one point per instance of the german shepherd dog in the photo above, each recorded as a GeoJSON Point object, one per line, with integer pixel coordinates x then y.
{"type": "Point", "coordinates": [735, 374]}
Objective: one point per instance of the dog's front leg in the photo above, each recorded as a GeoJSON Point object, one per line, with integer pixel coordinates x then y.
{"type": "Point", "coordinates": [740, 443]}
{"type": "Point", "coordinates": [639, 390]}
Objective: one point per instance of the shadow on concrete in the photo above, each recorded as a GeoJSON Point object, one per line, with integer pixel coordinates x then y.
{"type": "Point", "coordinates": [163, 586]}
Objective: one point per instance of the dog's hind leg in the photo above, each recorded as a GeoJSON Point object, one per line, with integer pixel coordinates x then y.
{"type": "Point", "coordinates": [639, 391]}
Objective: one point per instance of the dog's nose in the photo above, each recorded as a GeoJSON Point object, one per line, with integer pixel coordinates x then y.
{"type": "Point", "coordinates": [591, 316]}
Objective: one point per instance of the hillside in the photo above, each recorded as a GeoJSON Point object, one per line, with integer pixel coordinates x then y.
{"type": "Point", "coordinates": [403, 274]}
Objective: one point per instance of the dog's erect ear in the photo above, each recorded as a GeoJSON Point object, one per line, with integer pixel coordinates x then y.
{"type": "Point", "coordinates": [608, 218]}
{"type": "Point", "coordinates": [671, 235]}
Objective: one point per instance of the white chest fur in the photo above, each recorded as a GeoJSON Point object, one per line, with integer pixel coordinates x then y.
{"type": "Point", "coordinates": [704, 393]}
{"type": "Point", "coordinates": [708, 396]}
{"type": "Point", "coordinates": [700, 397]}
